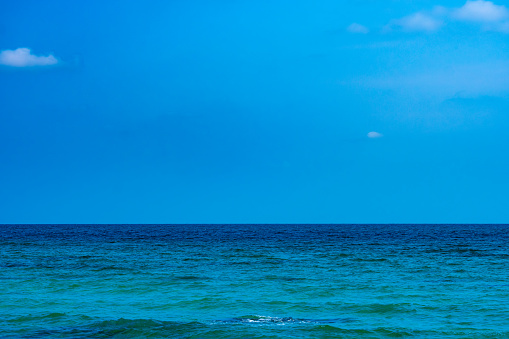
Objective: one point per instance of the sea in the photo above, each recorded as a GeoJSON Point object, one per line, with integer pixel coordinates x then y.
{"type": "Point", "coordinates": [254, 281]}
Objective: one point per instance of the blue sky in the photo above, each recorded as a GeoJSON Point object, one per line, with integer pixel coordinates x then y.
{"type": "Point", "coordinates": [254, 111]}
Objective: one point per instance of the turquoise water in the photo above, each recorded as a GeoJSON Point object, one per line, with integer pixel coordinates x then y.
{"type": "Point", "coordinates": [254, 281]}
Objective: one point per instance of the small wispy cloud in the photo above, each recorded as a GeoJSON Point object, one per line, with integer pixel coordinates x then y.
{"type": "Point", "coordinates": [374, 135]}
{"type": "Point", "coordinates": [417, 22]}
{"type": "Point", "coordinates": [23, 57]}
{"type": "Point", "coordinates": [481, 11]}
{"type": "Point", "coordinates": [357, 28]}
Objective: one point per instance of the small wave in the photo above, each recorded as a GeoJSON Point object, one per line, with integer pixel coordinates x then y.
{"type": "Point", "coordinates": [260, 319]}
{"type": "Point", "coordinates": [79, 326]}
{"type": "Point", "coordinates": [263, 319]}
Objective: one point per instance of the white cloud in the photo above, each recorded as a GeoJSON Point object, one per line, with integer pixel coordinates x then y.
{"type": "Point", "coordinates": [418, 22]}
{"type": "Point", "coordinates": [481, 11]}
{"type": "Point", "coordinates": [493, 17]}
{"type": "Point", "coordinates": [357, 28]}
{"type": "Point", "coordinates": [374, 135]}
{"type": "Point", "coordinates": [23, 57]}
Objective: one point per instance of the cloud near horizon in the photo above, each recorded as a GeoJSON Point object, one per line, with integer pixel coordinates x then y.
{"type": "Point", "coordinates": [23, 57]}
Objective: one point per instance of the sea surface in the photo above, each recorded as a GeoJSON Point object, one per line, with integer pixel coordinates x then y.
{"type": "Point", "coordinates": [254, 281]}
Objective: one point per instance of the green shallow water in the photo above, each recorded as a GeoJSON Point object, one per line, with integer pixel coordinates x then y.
{"type": "Point", "coordinates": [254, 281]}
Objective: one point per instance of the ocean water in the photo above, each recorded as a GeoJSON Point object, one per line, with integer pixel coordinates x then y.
{"type": "Point", "coordinates": [254, 281]}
